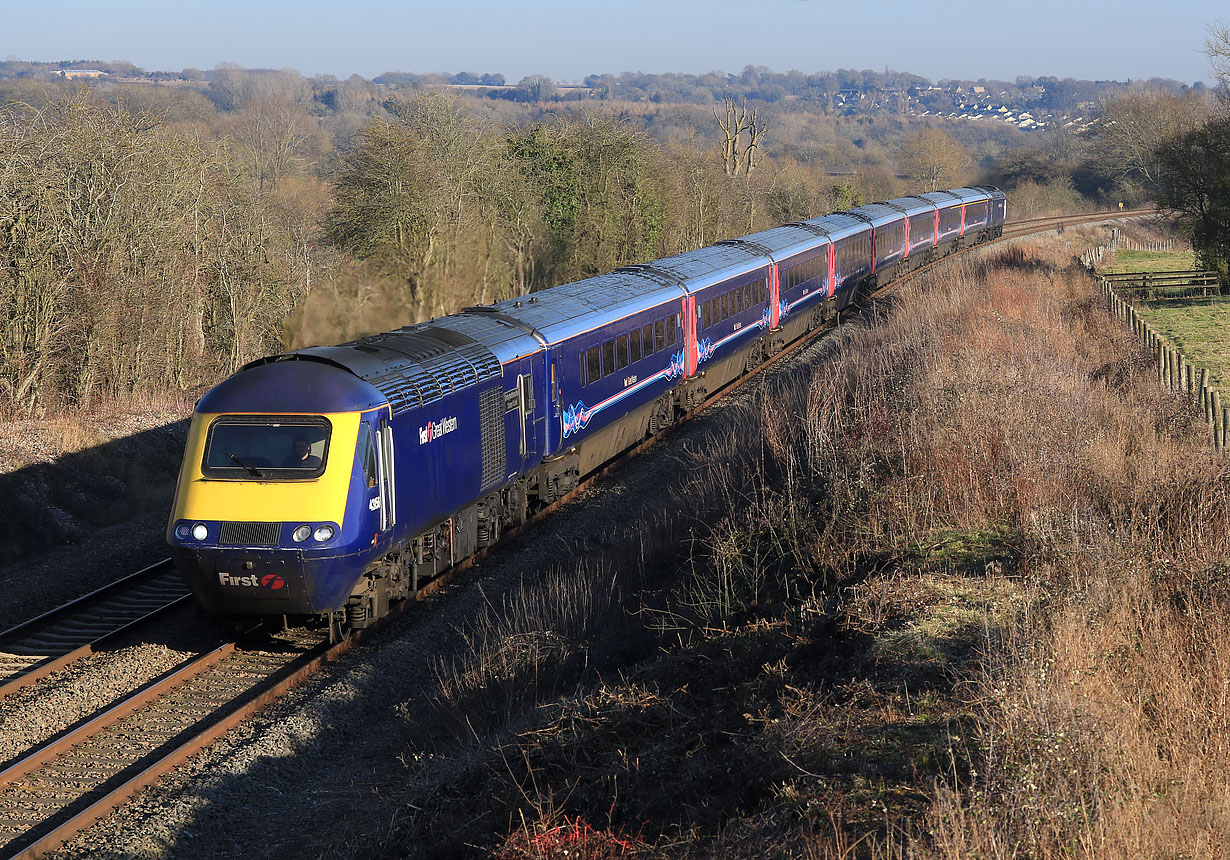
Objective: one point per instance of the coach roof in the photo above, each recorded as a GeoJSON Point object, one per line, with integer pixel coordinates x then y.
{"type": "Point", "coordinates": [562, 312]}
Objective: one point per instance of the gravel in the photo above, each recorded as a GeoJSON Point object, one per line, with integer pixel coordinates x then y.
{"type": "Point", "coordinates": [48, 707]}
{"type": "Point", "coordinates": [37, 585]}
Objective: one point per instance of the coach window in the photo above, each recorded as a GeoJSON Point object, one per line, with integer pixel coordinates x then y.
{"type": "Point", "coordinates": [672, 324]}
{"type": "Point", "coordinates": [608, 358]}
{"type": "Point", "coordinates": [647, 339]}
{"type": "Point", "coordinates": [706, 314]}
{"type": "Point", "coordinates": [593, 363]}
{"type": "Point", "coordinates": [634, 345]}
{"type": "Point", "coordinates": [621, 351]}
{"type": "Point", "coordinates": [747, 296]}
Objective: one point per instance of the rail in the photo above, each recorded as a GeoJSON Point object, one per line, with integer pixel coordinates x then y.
{"type": "Point", "coordinates": [51, 641]}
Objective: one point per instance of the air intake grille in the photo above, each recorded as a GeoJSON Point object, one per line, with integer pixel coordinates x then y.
{"type": "Point", "coordinates": [491, 423]}
{"type": "Point", "coordinates": [250, 534]}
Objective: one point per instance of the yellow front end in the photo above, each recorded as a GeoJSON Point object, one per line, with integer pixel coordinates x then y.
{"type": "Point", "coordinates": [253, 500]}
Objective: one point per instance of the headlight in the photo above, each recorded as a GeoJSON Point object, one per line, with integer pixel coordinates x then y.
{"type": "Point", "coordinates": [301, 534]}
{"type": "Point", "coordinates": [200, 531]}
{"type": "Point", "coordinates": [323, 533]}
{"type": "Point", "coordinates": [182, 531]}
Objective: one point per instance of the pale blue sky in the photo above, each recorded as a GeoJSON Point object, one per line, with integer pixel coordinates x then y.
{"type": "Point", "coordinates": [1000, 40]}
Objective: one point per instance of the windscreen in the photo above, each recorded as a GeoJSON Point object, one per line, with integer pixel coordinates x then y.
{"type": "Point", "coordinates": [275, 448]}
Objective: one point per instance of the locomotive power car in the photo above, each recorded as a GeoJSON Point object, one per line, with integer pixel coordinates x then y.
{"type": "Point", "coordinates": [325, 483]}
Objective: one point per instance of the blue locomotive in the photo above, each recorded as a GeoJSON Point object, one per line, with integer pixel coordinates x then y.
{"type": "Point", "coordinates": [327, 482]}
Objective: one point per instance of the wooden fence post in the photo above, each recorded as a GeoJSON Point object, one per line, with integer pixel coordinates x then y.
{"type": "Point", "coordinates": [1219, 426]}
{"type": "Point", "coordinates": [1206, 402]}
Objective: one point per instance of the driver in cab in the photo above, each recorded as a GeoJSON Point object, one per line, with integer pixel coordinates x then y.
{"type": "Point", "coordinates": [302, 458]}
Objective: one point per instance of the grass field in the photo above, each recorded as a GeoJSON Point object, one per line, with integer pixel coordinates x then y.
{"type": "Point", "coordinates": [1199, 327]}
{"type": "Point", "coordinates": [1151, 261]}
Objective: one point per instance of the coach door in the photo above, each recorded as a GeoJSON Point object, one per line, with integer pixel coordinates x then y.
{"type": "Point", "coordinates": [775, 304]}
{"type": "Point", "coordinates": [830, 267]}
{"type": "Point", "coordinates": [521, 405]}
{"type": "Point", "coordinates": [691, 348]}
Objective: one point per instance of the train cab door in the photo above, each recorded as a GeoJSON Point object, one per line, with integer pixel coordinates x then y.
{"type": "Point", "coordinates": [386, 498]}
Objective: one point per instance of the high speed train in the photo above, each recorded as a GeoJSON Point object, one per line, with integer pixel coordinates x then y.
{"type": "Point", "coordinates": [325, 483]}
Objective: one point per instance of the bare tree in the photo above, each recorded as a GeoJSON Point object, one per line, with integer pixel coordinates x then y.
{"type": "Point", "coordinates": [1135, 126]}
{"type": "Point", "coordinates": [935, 160]}
{"type": "Point", "coordinates": [274, 138]}
{"type": "Point", "coordinates": [1217, 48]}
{"type": "Point", "coordinates": [737, 156]}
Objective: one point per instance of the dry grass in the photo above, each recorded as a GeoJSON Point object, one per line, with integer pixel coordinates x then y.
{"type": "Point", "coordinates": [961, 597]}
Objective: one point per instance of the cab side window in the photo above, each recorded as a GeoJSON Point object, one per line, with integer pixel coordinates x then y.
{"type": "Point", "coordinates": [367, 456]}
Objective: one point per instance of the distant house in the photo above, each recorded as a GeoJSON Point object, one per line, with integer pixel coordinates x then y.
{"type": "Point", "coordinates": [81, 73]}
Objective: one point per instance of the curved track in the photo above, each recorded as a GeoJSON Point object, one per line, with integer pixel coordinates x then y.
{"type": "Point", "coordinates": [61, 787]}
{"type": "Point", "coordinates": [1017, 229]}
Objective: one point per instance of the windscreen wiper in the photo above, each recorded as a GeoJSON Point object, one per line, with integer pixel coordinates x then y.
{"type": "Point", "coordinates": [252, 470]}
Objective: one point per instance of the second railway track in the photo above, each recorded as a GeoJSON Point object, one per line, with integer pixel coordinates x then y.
{"type": "Point", "coordinates": [43, 645]}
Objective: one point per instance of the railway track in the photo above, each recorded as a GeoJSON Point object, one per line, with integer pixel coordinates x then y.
{"type": "Point", "coordinates": [50, 642]}
{"type": "Point", "coordinates": [61, 787]}
{"type": "Point", "coordinates": [1017, 229]}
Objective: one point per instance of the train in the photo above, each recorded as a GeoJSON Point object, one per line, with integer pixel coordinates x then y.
{"type": "Point", "coordinates": [325, 484]}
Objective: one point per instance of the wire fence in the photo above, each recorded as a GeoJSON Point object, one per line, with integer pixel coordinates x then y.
{"type": "Point", "coordinates": [1174, 370]}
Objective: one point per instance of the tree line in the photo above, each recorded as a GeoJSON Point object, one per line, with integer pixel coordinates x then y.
{"type": "Point", "coordinates": [158, 238]}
